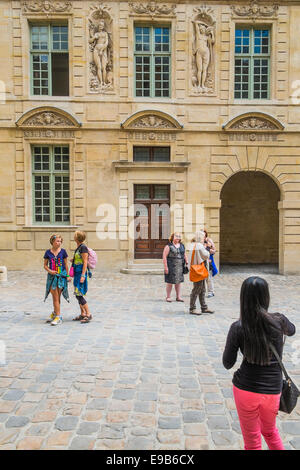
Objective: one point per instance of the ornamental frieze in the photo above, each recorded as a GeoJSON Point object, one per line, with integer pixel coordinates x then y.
{"type": "Point", "coordinates": [254, 10]}
{"type": "Point", "coordinates": [153, 136]}
{"type": "Point", "coordinates": [48, 133]}
{"type": "Point", "coordinates": [45, 6]}
{"type": "Point", "coordinates": [152, 9]}
{"type": "Point", "coordinates": [252, 137]}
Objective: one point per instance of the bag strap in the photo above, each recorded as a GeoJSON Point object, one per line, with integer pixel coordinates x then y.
{"type": "Point", "coordinates": [193, 254]}
{"type": "Point", "coordinates": [75, 254]}
{"type": "Point", "coordinates": [279, 360]}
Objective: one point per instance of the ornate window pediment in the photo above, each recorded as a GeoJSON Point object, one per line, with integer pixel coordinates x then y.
{"type": "Point", "coordinates": [151, 121]}
{"type": "Point", "coordinates": [254, 122]}
{"type": "Point", "coordinates": [47, 117]}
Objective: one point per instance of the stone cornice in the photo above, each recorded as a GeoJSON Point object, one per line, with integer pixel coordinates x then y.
{"type": "Point", "coordinates": [145, 166]}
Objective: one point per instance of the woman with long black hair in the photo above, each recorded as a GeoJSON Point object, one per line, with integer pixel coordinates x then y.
{"type": "Point", "coordinates": [257, 383]}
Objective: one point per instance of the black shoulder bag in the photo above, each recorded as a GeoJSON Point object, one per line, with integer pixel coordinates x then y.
{"type": "Point", "coordinates": [290, 392]}
{"type": "Point", "coordinates": [184, 265]}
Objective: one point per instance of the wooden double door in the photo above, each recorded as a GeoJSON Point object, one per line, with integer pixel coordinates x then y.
{"type": "Point", "coordinates": [152, 220]}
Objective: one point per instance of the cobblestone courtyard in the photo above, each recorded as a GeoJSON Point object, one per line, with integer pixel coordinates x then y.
{"type": "Point", "coordinates": [144, 374]}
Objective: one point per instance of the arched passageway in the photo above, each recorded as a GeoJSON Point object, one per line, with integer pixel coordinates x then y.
{"type": "Point", "coordinates": [249, 219]}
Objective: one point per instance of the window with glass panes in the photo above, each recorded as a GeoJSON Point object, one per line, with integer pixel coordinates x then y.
{"type": "Point", "coordinates": [151, 154]}
{"type": "Point", "coordinates": [252, 63]}
{"type": "Point", "coordinates": [152, 56]}
{"type": "Point", "coordinates": [49, 60]}
{"type": "Point", "coordinates": [51, 184]}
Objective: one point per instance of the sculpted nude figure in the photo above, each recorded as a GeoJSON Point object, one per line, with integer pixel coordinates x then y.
{"type": "Point", "coordinates": [204, 39]}
{"type": "Point", "coordinates": [100, 52]}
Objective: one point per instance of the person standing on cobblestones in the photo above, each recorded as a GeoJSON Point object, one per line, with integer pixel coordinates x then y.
{"type": "Point", "coordinates": [174, 257]}
{"type": "Point", "coordinates": [201, 255]}
{"type": "Point", "coordinates": [81, 272]}
{"type": "Point", "coordinates": [257, 384]}
{"type": "Point", "coordinates": [56, 264]}
{"type": "Point", "coordinates": [209, 245]}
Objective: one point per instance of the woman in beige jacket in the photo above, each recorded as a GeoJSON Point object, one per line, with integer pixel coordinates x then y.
{"type": "Point", "coordinates": [201, 254]}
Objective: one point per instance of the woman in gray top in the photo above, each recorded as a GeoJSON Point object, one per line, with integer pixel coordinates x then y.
{"type": "Point", "coordinates": [201, 255]}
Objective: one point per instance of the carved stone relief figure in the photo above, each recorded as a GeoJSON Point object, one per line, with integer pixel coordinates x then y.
{"type": "Point", "coordinates": [203, 62]}
{"type": "Point", "coordinates": [101, 49]}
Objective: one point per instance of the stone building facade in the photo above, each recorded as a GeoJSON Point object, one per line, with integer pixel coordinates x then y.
{"type": "Point", "coordinates": [114, 110]}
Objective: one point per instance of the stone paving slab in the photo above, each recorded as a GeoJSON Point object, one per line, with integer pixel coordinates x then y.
{"type": "Point", "coordinates": [144, 374]}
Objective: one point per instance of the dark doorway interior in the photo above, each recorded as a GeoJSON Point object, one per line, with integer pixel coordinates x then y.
{"type": "Point", "coordinates": [249, 220]}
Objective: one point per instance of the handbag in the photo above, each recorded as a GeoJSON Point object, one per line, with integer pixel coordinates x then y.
{"type": "Point", "coordinates": [290, 392]}
{"type": "Point", "coordinates": [198, 272]}
{"type": "Point", "coordinates": [214, 268]}
{"type": "Point", "coordinates": [185, 269]}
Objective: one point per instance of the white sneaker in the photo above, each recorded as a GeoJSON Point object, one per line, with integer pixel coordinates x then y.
{"type": "Point", "coordinates": [51, 318]}
{"type": "Point", "coordinates": [57, 321]}
{"type": "Point", "coordinates": [211, 294]}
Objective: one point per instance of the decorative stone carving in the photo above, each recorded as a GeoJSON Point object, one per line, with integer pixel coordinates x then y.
{"type": "Point", "coordinates": [153, 136]}
{"type": "Point", "coordinates": [254, 123]}
{"type": "Point", "coordinates": [252, 137]}
{"type": "Point", "coordinates": [44, 6]}
{"type": "Point", "coordinates": [254, 126]}
{"type": "Point", "coordinates": [47, 117]}
{"type": "Point", "coordinates": [151, 122]}
{"type": "Point", "coordinates": [101, 50]}
{"type": "Point", "coordinates": [254, 10]}
{"type": "Point", "coordinates": [203, 60]}
{"type": "Point", "coordinates": [152, 9]}
{"type": "Point", "coordinates": [49, 134]}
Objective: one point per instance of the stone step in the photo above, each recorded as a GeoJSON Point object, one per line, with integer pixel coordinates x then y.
{"type": "Point", "coordinates": [147, 268]}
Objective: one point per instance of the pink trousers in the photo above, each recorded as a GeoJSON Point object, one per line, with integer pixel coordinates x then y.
{"type": "Point", "coordinates": [257, 414]}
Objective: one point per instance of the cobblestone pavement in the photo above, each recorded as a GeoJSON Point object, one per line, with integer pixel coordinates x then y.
{"type": "Point", "coordinates": [144, 374]}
